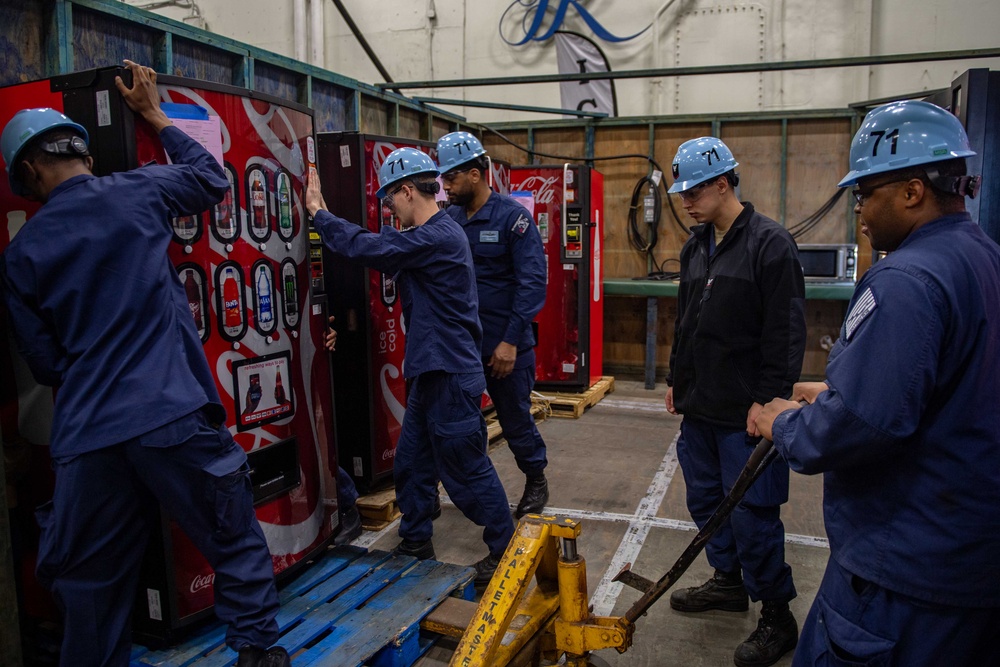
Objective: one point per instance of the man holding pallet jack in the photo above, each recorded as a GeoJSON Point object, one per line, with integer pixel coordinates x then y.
{"type": "Point", "coordinates": [739, 339]}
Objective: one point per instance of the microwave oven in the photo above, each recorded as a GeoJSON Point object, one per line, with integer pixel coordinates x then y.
{"type": "Point", "coordinates": [829, 262]}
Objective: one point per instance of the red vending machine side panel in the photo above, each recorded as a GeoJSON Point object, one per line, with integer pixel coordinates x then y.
{"type": "Point", "coordinates": [595, 293]}
{"type": "Point", "coordinates": [558, 350]}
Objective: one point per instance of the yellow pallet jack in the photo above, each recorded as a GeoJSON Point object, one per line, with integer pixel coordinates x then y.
{"type": "Point", "coordinates": [516, 624]}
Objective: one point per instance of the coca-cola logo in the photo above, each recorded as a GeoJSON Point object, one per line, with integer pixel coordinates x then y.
{"type": "Point", "coordinates": [543, 188]}
{"type": "Point", "coordinates": [389, 454]}
{"type": "Point", "coordinates": [202, 581]}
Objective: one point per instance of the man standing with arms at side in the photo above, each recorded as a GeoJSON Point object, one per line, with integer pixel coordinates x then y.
{"type": "Point", "coordinates": [906, 427]}
{"type": "Point", "coordinates": [739, 338]}
{"type": "Point", "coordinates": [98, 310]}
{"type": "Point", "coordinates": [510, 278]}
{"type": "Point", "coordinates": [444, 433]}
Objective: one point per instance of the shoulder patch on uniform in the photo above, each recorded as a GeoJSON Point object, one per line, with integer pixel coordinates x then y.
{"type": "Point", "coordinates": [863, 307]}
{"type": "Point", "coordinates": [521, 225]}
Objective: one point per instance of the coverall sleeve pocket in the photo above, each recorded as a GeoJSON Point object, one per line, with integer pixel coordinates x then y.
{"type": "Point", "coordinates": [233, 502]}
{"type": "Point", "coordinates": [850, 645]}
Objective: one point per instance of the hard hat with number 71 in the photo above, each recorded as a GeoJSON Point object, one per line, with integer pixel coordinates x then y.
{"type": "Point", "coordinates": [403, 163]}
{"type": "Point", "coordinates": [700, 160]}
{"type": "Point", "coordinates": [905, 134]}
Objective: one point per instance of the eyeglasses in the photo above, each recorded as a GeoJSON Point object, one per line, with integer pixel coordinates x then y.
{"type": "Point", "coordinates": [861, 197]}
{"type": "Point", "coordinates": [453, 174]}
{"type": "Point", "coordinates": [389, 199]}
{"type": "Point", "coordinates": [693, 193]}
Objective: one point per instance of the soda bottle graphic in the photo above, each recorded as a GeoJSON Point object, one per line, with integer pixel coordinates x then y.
{"type": "Point", "coordinates": [388, 290]}
{"type": "Point", "coordinates": [264, 312]}
{"type": "Point", "coordinates": [231, 300]}
{"type": "Point", "coordinates": [284, 204]}
{"type": "Point", "coordinates": [258, 203]}
{"type": "Point", "coordinates": [279, 390]}
{"type": "Point", "coordinates": [291, 298]}
{"type": "Point", "coordinates": [225, 223]}
{"type": "Point", "coordinates": [194, 298]}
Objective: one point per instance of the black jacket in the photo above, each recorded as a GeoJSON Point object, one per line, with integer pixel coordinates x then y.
{"type": "Point", "coordinates": [740, 332]}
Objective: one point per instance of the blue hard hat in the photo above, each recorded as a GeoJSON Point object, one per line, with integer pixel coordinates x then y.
{"type": "Point", "coordinates": [403, 163]}
{"type": "Point", "coordinates": [25, 126]}
{"type": "Point", "coordinates": [700, 160]}
{"type": "Point", "coordinates": [457, 148]}
{"type": "Point", "coordinates": [905, 134]}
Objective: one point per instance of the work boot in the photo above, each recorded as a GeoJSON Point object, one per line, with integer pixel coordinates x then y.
{"type": "Point", "coordinates": [251, 656]}
{"type": "Point", "coordinates": [350, 527]}
{"type": "Point", "coordinates": [723, 591]}
{"type": "Point", "coordinates": [536, 494]}
{"type": "Point", "coordinates": [419, 550]}
{"type": "Point", "coordinates": [777, 633]}
{"type": "Point", "coordinates": [485, 569]}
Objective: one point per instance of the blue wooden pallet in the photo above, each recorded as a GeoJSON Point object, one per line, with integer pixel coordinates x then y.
{"type": "Point", "coordinates": [350, 608]}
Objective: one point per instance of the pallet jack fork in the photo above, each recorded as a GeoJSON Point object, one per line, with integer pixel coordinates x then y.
{"type": "Point", "coordinates": [514, 625]}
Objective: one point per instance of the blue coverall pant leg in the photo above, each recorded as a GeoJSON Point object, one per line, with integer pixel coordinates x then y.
{"type": "Point", "coordinates": [856, 622]}
{"type": "Point", "coordinates": [444, 436]}
{"type": "Point", "coordinates": [347, 492]}
{"type": "Point", "coordinates": [753, 539]}
{"type": "Point", "coordinates": [512, 397]}
{"type": "Point", "coordinates": [95, 531]}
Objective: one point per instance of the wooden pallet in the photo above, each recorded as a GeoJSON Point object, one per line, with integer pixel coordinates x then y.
{"type": "Point", "coordinates": [573, 405]}
{"type": "Point", "coordinates": [378, 509]}
{"type": "Point", "coordinates": [351, 607]}
{"type": "Point", "coordinates": [493, 430]}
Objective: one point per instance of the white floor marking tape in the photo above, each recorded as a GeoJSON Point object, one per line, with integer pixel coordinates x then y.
{"type": "Point", "coordinates": [606, 595]}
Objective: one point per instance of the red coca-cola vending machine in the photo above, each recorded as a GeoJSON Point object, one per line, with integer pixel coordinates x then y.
{"type": "Point", "coordinates": [245, 267]}
{"type": "Point", "coordinates": [567, 203]}
{"type": "Point", "coordinates": [368, 364]}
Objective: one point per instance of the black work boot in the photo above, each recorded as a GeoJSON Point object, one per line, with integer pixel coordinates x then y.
{"type": "Point", "coordinates": [777, 633]}
{"type": "Point", "coordinates": [723, 591]}
{"type": "Point", "coordinates": [485, 569]}
{"type": "Point", "coordinates": [419, 550]}
{"type": "Point", "coordinates": [251, 656]}
{"type": "Point", "coordinates": [536, 494]}
{"type": "Point", "coordinates": [350, 527]}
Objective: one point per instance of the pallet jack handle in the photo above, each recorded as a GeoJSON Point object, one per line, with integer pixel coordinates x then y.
{"type": "Point", "coordinates": [760, 458]}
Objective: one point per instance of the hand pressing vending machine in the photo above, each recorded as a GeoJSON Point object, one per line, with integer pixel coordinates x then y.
{"type": "Point", "coordinates": [244, 266]}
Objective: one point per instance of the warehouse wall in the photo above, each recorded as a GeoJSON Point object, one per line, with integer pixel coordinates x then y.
{"type": "Point", "coordinates": [448, 39]}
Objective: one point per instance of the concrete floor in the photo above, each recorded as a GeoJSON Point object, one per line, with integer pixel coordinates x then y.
{"type": "Point", "coordinates": [617, 462]}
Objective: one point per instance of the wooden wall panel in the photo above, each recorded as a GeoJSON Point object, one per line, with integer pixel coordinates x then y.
{"type": "Point", "coordinates": [501, 150]}
{"type": "Point", "coordinates": [374, 116]}
{"type": "Point", "coordinates": [411, 123]}
{"type": "Point", "coordinates": [625, 336]}
{"type": "Point", "coordinates": [756, 145]}
{"type": "Point", "coordinates": [22, 44]}
{"type": "Point", "coordinates": [568, 142]}
{"type": "Point", "coordinates": [672, 237]}
{"type": "Point", "coordinates": [817, 160]}
{"type": "Point", "coordinates": [439, 128]}
{"type": "Point", "coordinates": [621, 260]}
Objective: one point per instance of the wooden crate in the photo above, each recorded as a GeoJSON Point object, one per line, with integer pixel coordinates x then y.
{"type": "Point", "coordinates": [572, 406]}
{"type": "Point", "coordinates": [351, 607]}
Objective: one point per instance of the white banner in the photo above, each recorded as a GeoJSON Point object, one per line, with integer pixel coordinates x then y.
{"type": "Point", "coordinates": [575, 53]}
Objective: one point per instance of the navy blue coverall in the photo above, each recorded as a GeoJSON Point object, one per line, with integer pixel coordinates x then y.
{"type": "Point", "coordinates": [444, 433]}
{"type": "Point", "coordinates": [99, 311]}
{"type": "Point", "coordinates": [908, 436]}
{"type": "Point", "coordinates": [510, 276]}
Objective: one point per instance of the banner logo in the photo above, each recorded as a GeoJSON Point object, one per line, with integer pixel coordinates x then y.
{"type": "Point", "coordinates": [534, 13]}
